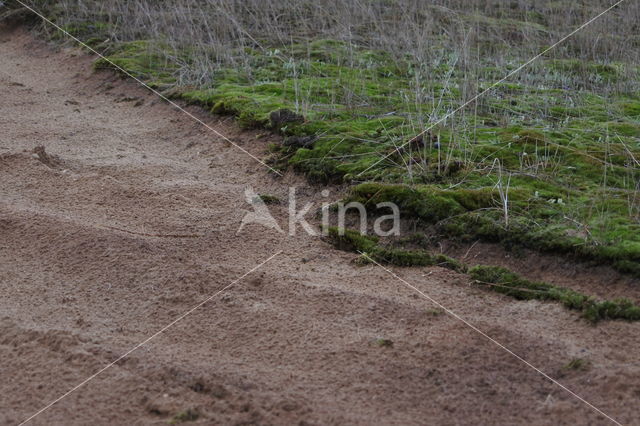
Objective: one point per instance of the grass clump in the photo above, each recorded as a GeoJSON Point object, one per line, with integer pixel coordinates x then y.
{"type": "Point", "coordinates": [503, 281]}
{"type": "Point", "coordinates": [435, 312]}
{"type": "Point", "coordinates": [384, 343]}
{"type": "Point", "coordinates": [577, 364]}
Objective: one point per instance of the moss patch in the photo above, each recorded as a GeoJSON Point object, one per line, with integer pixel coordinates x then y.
{"type": "Point", "coordinates": [537, 219]}
{"type": "Point", "coordinates": [349, 240]}
{"type": "Point", "coordinates": [493, 278]}
{"type": "Point", "coordinates": [503, 281]}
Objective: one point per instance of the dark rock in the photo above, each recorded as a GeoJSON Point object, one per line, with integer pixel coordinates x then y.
{"type": "Point", "coordinates": [422, 140]}
{"type": "Point", "coordinates": [283, 116]}
{"type": "Point", "coordinates": [453, 168]}
{"type": "Point", "coordinates": [417, 142]}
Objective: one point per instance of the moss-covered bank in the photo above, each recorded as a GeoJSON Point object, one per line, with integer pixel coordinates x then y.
{"type": "Point", "coordinates": [493, 278]}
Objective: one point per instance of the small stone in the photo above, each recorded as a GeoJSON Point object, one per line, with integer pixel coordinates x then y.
{"type": "Point", "coordinates": [283, 116]}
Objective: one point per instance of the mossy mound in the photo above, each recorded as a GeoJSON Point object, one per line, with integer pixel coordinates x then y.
{"type": "Point", "coordinates": [349, 240]}
{"type": "Point", "coordinates": [427, 202]}
{"type": "Point", "coordinates": [477, 214]}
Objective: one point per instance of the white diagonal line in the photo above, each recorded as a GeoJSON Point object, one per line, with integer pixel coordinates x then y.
{"type": "Point", "coordinates": [494, 341]}
{"type": "Point", "coordinates": [147, 340]}
{"type": "Point", "coordinates": [502, 80]}
{"type": "Point", "coordinates": [163, 97]}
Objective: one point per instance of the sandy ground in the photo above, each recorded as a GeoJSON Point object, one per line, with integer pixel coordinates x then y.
{"type": "Point", "coordinates": [130, 219]}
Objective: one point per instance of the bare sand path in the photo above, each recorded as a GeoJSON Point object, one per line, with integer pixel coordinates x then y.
{"type": "Point", "coordinates": [130, 219]}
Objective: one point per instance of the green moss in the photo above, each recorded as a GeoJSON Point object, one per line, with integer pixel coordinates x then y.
{"type": "Point", "coordinates": [495, 278]}
{"type": "Point", "coordinates": [349, 240]}
{"type": "Point", "coordinates": [534, 222]}
{"type": "Point", "coordinates": [143, 60]}
{"type": "Point", "coordinates": [503, 281]}
{"type": "Point", "coordinates": [616, 309]}
{"type": "Point", "coordinates": [427, 202]}
{"type": "Point", "coordinates": [576, 67]}
{"type": "Point", "coordinates": [413, 202]}
{"type": "Point", "coordinates": [95, 31]}
{"type": "Point", "coordinates": [631, 109]}
{"type": "Point", "coordinates": [529, 136]}
{"type": "Point", "coordinates": [624, 129]}
{"type": "Point", "coordinates": [320, 171]}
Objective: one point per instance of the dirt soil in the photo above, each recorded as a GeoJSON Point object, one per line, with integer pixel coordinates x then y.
{"type": "Point", "coordinates": [127, 218]}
